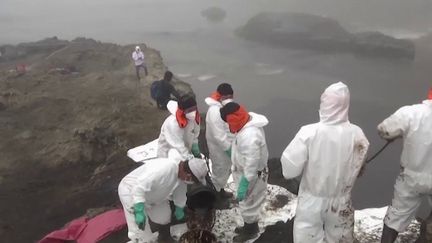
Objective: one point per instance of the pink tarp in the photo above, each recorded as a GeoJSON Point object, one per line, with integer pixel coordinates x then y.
{"type": "Point", "coordinates": [83, 230]}
{"type": "Point", "coordinates": [103, 225]}
{"type": "Point", "coordinates": [70, 232]}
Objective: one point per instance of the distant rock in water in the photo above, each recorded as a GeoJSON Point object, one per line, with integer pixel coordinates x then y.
{"type": "Point", "coordinates": [306, 31]}
{"type": "Point", "coordinates": [214, 14]}
{"type": "Point", "coordinates": [376, 43]}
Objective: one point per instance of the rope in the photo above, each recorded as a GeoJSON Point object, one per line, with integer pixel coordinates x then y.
{"type": "Point", "coordinates": [379, 151]}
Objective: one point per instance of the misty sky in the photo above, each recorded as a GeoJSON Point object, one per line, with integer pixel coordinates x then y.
{"type": "Point", "coordinates": [121, 20]}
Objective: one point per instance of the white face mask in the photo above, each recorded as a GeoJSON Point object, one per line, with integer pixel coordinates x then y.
{"type": "Point", "coordinates": [191, 116]}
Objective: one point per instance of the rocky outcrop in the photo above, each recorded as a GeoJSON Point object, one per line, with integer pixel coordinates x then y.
{"type": "Point", "coordinates": [10, 52]}
{"type": "Point", "coordinates": [67, 121]}
{"type": "Point", "coordinates": [378, 44]}
{"type": "Point", "coordinates": [305, 31]}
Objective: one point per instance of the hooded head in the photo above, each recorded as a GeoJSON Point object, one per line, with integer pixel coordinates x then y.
{"type": "Point", "coordinates": [168, 76]}
{"type": "Point", "coordinates": [187, 111]}
{"type": "Point", "coordinates": [193, 170]}
{"type": "Point", "coordinates": [335, 104]}
{"type": "Point", "coordinates": [235, 115]}
{"type": "Point", "coordinates": [223, 93]}
{"type": "Point", "coordinates": [187, 103]}
{"type": "Point", "coordinates": [199, 169]}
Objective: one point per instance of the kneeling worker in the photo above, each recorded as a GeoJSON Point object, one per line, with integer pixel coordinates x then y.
{"type": "Point", "coordinates": [146, 191]}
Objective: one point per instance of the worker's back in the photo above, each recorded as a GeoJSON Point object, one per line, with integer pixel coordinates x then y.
{"type": "Point", "coordinates": [156, 181]}
{"type": "Point", "coordinates": [334, 148]}
{"type": "Point", "coordinates": [333, 162]}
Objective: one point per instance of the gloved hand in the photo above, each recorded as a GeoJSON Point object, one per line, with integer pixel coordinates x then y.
{"type": "Point", "coordinates": [196, 151]}
{"type": "Point", "coordinates": [228, 152]}
{"type": "Point", "coordinates": [387, 135]}
{"type": "Point", "coordinates": [242, 189]}
{"type": "Point", "coordinates": [140, 215]}
{"type": "Point", "coordinates": [179, 213]}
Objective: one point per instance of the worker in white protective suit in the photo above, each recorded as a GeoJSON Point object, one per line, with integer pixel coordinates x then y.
{"type": "Point", "coordinates": [330, 155]}
{"type": "Point", "coordinates": [413, 124]}
{"type": "Point", "coordinates": [181, 129]}
{"type": "Point", "coordinates": [145, 194]}
{"type": "Point", "coordinates": [249, 158]}
{"type": "Point", "coordinates": [219, 138]}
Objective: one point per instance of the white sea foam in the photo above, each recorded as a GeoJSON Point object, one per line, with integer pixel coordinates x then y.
{"type": "Point", "coordinates": [206, 77]}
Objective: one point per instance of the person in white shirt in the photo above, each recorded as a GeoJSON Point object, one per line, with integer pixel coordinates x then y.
{"type": "Point", "coordinates": [138, 57]}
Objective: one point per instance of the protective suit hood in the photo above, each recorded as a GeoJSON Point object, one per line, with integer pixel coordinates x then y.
{"type": "Point", "coordinates": [427, 102]}
{"type": "Point", "coordinates": [172, 107]}
{"type": "Point", "coordinates": [256, 120]}
{"type": "Point", "coordinates": [210, 101]}
{"type": "Point", "coordinates": [335, 104]}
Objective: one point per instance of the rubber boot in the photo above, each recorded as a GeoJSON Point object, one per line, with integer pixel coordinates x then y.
{"type": "Point", "coordinates": [389, 235]}
{"type": "Point", "coordinates": [247, 232]}
{"type": "Point", "coordinates": [165, 234]}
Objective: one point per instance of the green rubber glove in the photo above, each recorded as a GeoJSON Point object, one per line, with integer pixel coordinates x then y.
{"type": "Point", "coordinates": [228, 152]}
{"type": "Point", "coordinates": [140, 215]}
{"type": "Point", "coordinates": [242, 189]}
{"type": "Point", "coordinates": [196, 151]}
{"type": "Point", "coordinates": [179, 213]}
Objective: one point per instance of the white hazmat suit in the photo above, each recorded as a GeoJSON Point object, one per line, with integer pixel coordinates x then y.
{"type": "Point", "coordinates": [219, 140]}
{"type": "Point", "coordinates": [172, 136]}
{"type": "Point", "coordinates": [414, 124]}
{"type": "Point", "coordinates": [154, 184]}
{"type": "Point", "coordinates": [330, 154]}
{"type": "Point", "coordinates": [249, 157]}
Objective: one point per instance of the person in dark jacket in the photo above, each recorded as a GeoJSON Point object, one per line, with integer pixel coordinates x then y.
{"type": "Point", "coordinates": [165, 91]}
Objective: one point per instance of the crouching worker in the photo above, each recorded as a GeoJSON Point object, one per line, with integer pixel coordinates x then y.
{"type": "Point", "coordinates": [146, 192]}
{"type": "Point", "coordinates": [249, 159]}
